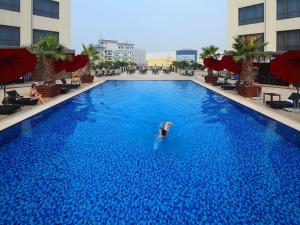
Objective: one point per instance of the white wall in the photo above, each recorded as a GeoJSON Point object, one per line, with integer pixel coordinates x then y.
{"type": "Point", "coordinates": [269, 27]}
{"type": "Point", "coordinates": [27, 22]}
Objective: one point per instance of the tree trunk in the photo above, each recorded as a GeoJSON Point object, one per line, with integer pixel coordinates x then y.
{"type": "Point", "coordinates": [246, 75]}
{"type": "Point", "coordinates": [210, 72]}
{"type": "Point", "coordinates": [49, 71]}
{"type": "Point", "coordinates": [87, 69]}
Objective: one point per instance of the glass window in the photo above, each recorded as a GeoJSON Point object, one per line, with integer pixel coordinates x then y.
{"type": "Point", "coordinates": [9, 36]}
{"type": "Point", "coordinates": [46, 8]}
{"type": "Point", "coordinates": [288, 9]}
{"type": "Point", "coordinates": [38, 34]}
{"type": "Point", "coordinates": [251, 14]}
{"type": "Point", "coordinates": [288, 40]}
{"type": "Point", "coordinates": [12, 5]}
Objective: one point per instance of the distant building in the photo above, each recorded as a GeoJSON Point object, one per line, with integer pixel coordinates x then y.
{"type": "Point", "coordinates": [111, 50]}
{"type": "Point", "coordinates": [23, 22]}
{"type": "Point", "coordinates": [139, 56]}
{"type": "Point", "coordinates": [274, 21]}
{"type": "Point", "coordinates": [190, 56]}
{"type": "Point", "coordinates": [163, 59]}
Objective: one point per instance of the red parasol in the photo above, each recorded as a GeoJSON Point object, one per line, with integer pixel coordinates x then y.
{"type": "Point", "coordinates": [230, 65]}
{"type": "Point", "coordinates": [213, 64]}
{"type": "Point", "coordinates": [78, 62]}
{"type": "Point", "coordinates": [287, 66]}
{"type": "Point", "coordinates": [14, 63]}
{"type": "Point", "coordinates": [61, 65]}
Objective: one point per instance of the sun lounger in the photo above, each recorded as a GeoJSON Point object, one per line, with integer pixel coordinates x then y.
{"type": "Point", "coordinates": [220, 82]}
{"type": "Point", "coordinates": [9, 109]}
{"type": "Point", "coordinates": [15, 98]}
{"type": "Point", "coordinates": [284, 104]}
{"type": "Point", "coordinates": [228, 86]}
{"type": "Point", "coordinates": [70, 86]}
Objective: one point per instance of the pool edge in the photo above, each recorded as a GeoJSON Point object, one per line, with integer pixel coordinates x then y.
{"type": "Point", "coordinates": [21, 116]}
{"type": "Point", "coordinates": [262, 110]}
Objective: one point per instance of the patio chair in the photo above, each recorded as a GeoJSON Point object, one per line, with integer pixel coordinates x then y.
{"type": "Point", "coordinates": [15, 98]}
{"type": "Point", "coordinates": [284, 104]}
{"type": "Point", "coordinates": [64, 89]}
{"type": "Point", "coordinates": [9, 109]}
{"type": "Point", "coordinates": [220, 82]}
{"type": "Point", "coordinates": [70, 86]}
{"type": "Point", "coordinates": [229, 86]}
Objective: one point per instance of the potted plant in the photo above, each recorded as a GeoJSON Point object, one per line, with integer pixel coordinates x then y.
{"type": "Point", "coordinates": [210, 51]}
{"type": "Point", "coordinates": [93, 54]}
{"type": "Point", "coordinates": [247, 50]}
{"type": "Point", "coordinates": [48, 50]}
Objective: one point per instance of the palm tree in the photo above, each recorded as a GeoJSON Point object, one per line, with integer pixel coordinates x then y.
{"type": "Point", "coordinates": [93, 54]}
{"type": "Point", "coordinates": [49, 50]}
{"type": "Point", "coordinates": [246, 50]}
{"type": "Point", "coordinates": [207, 52]}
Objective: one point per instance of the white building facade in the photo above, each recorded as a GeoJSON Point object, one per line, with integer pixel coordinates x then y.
{"type": "Point", "coordinates": [23, 22]}
{"type": "Point", "coordinates": [274, 21]}
{"type": "Point", "coordinates": [139, 56]}
{"type": "Point", "coordinates": [111, 50]}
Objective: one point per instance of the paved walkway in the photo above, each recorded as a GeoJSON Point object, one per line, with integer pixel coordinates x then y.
{"type": "Point", "coordinates": [291, 119]}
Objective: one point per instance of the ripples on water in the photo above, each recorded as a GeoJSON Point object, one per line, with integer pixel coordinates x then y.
{"type": "Point", "coordinates": [97, 159]}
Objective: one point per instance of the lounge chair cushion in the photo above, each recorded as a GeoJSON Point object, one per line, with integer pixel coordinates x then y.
{"type": "Point", "coordinates": [228, 87]}
{"type": "Point", "coordinates": [15, 98]}
{"type": "Point", "coordinates": [279, 104]}
{"type": "Point", "coordinates": [9, 109]}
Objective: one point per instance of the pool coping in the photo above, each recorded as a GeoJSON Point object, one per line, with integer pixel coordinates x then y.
{"type": "Point", "coordinates": [18, 117]}
{"type": "Point", "coordinates": [270, 113]}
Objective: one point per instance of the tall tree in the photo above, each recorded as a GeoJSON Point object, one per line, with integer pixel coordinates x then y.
{"type": "Point", "coordinates": [246, 50]}
{"type": "Point", "coordinates": [207, 52]}
{"type": "Point", "coordinates": [48, 51]}
{"type": "Point", "coordinates": [93, 54]}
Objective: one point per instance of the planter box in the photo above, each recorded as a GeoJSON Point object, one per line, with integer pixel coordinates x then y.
{"type": "Point", "coordinates": [210, 79]}
{"type": "Point", "coordinates": [249, 91]}
{"type": "Point", "coordinates": [49, 91]}
{"type": "Point", "coordinates": [87, 79]}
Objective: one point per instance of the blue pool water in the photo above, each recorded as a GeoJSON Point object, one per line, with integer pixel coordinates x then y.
{"type": "Point", "coordinates": [95, 159]}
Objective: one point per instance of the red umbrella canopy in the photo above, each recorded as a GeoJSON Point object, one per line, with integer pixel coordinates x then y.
{"type": "Point", "coordinates": [78, 62]}
{"type": "Point", "coordinates": [213, 64]}
{"type": "Point", "coordinates": [15, 62]}
{"type": "Point", "coordinates": [61, 65]}
{"type": "Point", "coordinates": [230, 65]}
{"type": "Point", "coordinates": [287, 66]}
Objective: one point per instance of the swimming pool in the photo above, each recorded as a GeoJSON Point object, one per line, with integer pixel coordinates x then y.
{"type": "Point", "coordinates": [96, 159]}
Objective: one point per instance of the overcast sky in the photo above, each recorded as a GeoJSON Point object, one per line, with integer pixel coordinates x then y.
{"type": "Point", "coordinates": [156, 25]}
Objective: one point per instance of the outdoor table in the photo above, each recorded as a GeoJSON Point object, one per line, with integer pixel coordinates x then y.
{"type": "Point", "coordinates": [272, 95]}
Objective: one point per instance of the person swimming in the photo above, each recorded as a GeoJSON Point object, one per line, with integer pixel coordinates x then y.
{"type": "Point", "coordinates": [165, 129]}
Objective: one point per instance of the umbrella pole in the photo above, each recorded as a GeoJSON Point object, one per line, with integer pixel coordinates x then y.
{"type": "Point", "coordinates": [297, 99]}
{"type": "Point", "coordinates": [4, 90]}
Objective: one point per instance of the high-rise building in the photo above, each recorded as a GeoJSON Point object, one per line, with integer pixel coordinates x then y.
{"type": "Point", "coordinates": [111, 50]}
{"type": "Point", "coordinates": [139, 56]}
{"type": "Point", "coordinates": [274, 21]}
{"type": "Point", "coordinates": [23, 22]}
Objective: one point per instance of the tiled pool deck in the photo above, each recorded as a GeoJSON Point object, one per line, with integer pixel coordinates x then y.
{"type": "Point", "coordinates": [288, 118]}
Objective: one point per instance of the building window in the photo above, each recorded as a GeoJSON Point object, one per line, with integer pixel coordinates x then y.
{"type": "Point", "coordinates": [251, 14]}
{"type": "Point", "coordinates": [288, 9]}
{"type": "Point", "coordinates": [288, 40]}
{"type": "Point", "coordinates": [9, 36]}
{"type": "Point", "coordinates": [38, 34]}
{"type": "Point", "coordinates": [46, 8]}
{"type": "Point", "coordinates": [11, 5]}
